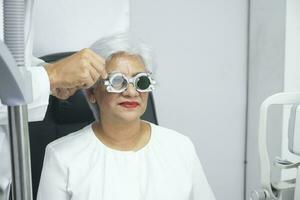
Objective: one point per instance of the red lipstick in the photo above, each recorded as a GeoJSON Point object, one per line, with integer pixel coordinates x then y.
{"type": "Point", "coordinates": [129, 104]}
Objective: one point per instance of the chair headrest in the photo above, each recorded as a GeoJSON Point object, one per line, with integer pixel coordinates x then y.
{"type": "Point", "coordinates": [73, 110]}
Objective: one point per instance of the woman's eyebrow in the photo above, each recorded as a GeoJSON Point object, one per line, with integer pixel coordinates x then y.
{"type": "Point", "coordinates": [136, 73]}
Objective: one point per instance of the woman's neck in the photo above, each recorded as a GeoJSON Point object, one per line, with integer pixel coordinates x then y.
{"type": "Point", "coordinates": [125, 136]}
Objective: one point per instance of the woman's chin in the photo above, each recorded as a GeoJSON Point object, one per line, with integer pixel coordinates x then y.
{"type": "Point", "coordinates": [129, 117]}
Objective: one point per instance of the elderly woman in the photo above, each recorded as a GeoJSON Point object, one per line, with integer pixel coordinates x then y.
{"type": "Point", "coordinates": [120, 156]}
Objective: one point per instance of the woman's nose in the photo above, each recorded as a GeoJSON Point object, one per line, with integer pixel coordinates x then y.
{"type": "Point", "coordinates": [130, 91]}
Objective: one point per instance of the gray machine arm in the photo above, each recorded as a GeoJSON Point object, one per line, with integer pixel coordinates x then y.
{"type": "Point", "coordinates": [15, 91]}
{"type": "Point", "coordinates": [15, 82]}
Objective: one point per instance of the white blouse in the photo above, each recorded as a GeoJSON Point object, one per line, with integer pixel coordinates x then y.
{"type": "Point", "coordinates": [80, 167]}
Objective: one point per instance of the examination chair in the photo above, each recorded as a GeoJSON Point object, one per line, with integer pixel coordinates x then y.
{"type": "Point", "coordinates": [63, 117]}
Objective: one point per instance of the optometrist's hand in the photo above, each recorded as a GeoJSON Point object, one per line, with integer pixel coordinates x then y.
{"type": "Point", "coordinates": [80, 70]}
{"type": "Point", "coordinates": [63, 93]}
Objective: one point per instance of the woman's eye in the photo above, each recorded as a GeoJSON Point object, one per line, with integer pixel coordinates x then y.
{"type": "Point", "coordinates": [143, 83]}
{"type": "Point", "coordinates": [118, 82]}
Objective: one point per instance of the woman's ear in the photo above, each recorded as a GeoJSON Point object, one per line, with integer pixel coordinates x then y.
{"type": "Point", "coordinates": [91, 95]}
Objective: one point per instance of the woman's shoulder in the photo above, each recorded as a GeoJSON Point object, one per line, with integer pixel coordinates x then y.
{"type": "Point", "coordinates": [171, 137]}
{"type": "Point", "coordinates": [173, 146]}
{"type": "Point", "coordinates": [71, 143]}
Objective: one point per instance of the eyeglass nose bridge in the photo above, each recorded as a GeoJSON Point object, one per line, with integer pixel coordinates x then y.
{"type": "Point", "coordinates": [130, 81]}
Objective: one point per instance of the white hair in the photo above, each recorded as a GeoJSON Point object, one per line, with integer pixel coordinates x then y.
{"type": "Point", "coordinates": [122, 42]}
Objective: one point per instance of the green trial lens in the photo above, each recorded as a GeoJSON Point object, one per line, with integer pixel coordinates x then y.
{"type": "Point", "coordinates": [143, 83]}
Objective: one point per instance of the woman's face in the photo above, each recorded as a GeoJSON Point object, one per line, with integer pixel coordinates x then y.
{"type": "Point", "coordinates": [128, 105]}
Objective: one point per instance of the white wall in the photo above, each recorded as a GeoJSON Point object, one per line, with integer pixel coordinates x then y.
{"type": "Point", "coordinates": [201, 49]}
{"type": "Point", "coordinates": [292, 71]}
{"type": "Point", "coordinates": [292, 59]}
{"type": "Point", "coordinates": [71, 25]}
{"type": "Point", "coordinates": [266, 77]}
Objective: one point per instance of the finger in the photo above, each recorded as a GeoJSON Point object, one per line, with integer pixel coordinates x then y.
{"type": "Point", "coordinates": [88, 82]}
{"type": "Point", "coordinates": [99, 64]}
{"type": "Point", "coordinates": [62, 94]}
{"type": "Point", "coordinates": [72, 91]}
{"type": "Point", "coordinates": [97, 57]}
{"type": "Point", "coordinates": [53, 92]}
{"type": "Point", "coordinates": [94, 74]}
{"type": "Point", "coordinates": [96, 61]}
{"type": "Point", "coordinates": [99, 67]}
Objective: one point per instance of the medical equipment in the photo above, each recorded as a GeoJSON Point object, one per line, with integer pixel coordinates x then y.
{"type": "Point", "coordinates": [118, 82]}
{"type": "Point", "coordinates": [274, 190]}
{"type": "Point", "coordinates": [16, 93]}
